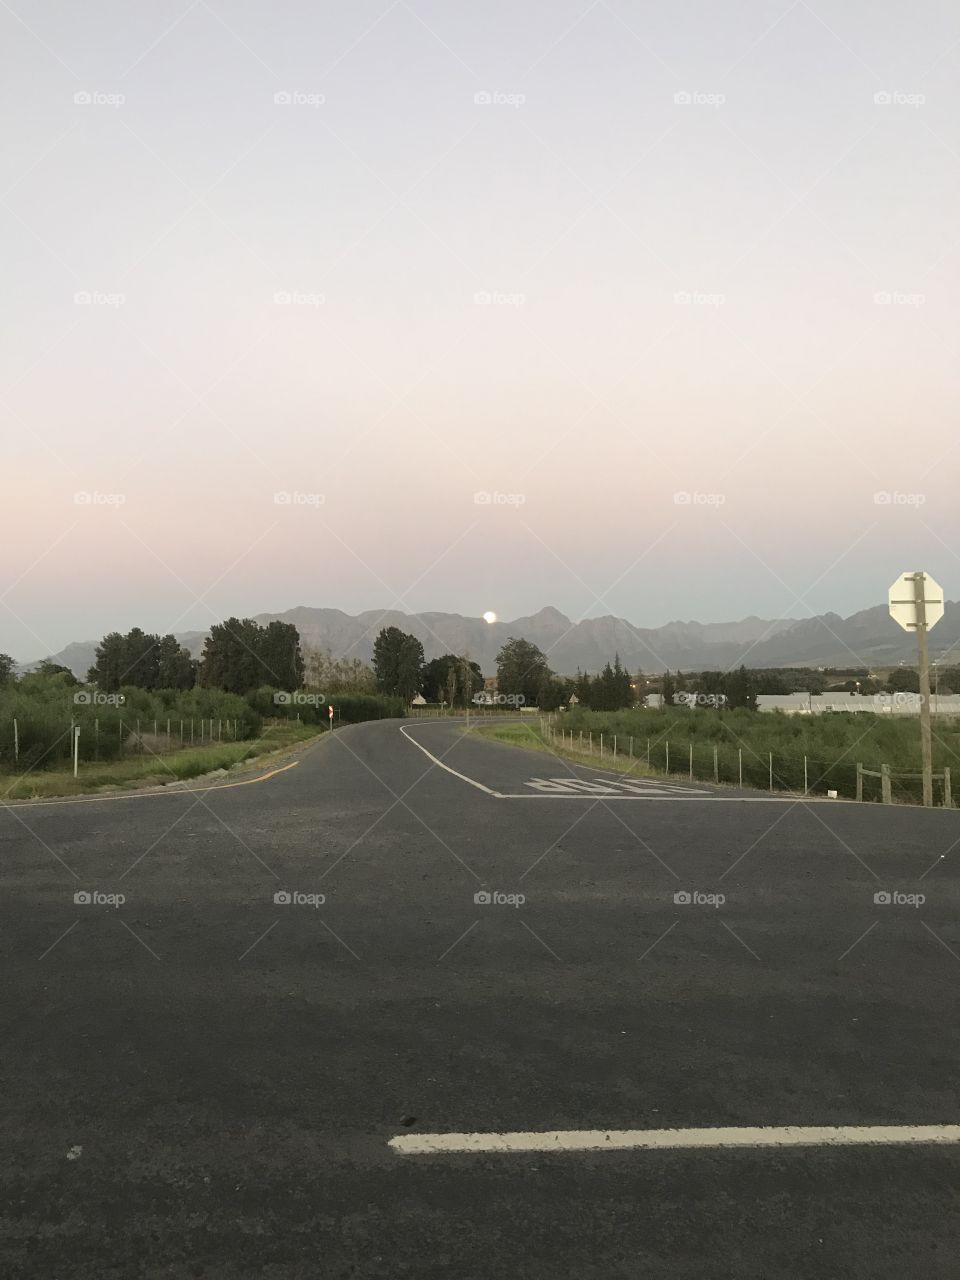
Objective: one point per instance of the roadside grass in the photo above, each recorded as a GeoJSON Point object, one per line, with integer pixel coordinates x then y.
{"type": "Point", "coordinates": [530, 736]}
{"type": "Point", "coordinates": [149, 770]}
{"type": "Point", "coordinates": [762, 751]}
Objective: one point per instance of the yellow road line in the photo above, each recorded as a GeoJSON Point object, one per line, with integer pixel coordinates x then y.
{"type": "Point", "coordinates": [168, 790]}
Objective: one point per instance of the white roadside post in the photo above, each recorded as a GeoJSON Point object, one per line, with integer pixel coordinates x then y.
{"type": "Point", "coordinates": [76, 749]}
{"type": "Point", "coordinates": [330, 714]}
{"type": "Point", "coordinates": [916, 603]}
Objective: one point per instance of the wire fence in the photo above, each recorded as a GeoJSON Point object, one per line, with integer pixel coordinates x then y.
{"type": "Point", "coordinates": [723, 763]}
{"type": "Point", "coordinates": [45, 742]}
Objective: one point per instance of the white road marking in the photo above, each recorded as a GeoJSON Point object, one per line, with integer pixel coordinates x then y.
{"type": "Point", "coordinates": [681, 794]}
{"type": "Point", "coordinates": [462, 776]}
{"type": "Point", "coordinates": [424, 1144]}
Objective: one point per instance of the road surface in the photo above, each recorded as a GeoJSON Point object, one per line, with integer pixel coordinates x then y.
{"type": "Point", "coordinates": [204, 1079]}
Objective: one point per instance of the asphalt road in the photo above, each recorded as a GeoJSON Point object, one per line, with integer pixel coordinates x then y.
{"type": "Point", "coordinates": [202, 1081]}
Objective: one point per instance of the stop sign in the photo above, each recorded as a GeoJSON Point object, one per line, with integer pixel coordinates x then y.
{"type": "Point", "coordinates": [903, 601]}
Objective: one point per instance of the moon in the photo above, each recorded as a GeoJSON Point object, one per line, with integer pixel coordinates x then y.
{"type": "Point", "coordinates": [489, 616]}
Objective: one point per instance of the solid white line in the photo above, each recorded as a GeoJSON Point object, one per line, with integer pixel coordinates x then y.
{"type": "Point", "coordinates": [424, 1144]}
{"type": "Point", "coordinates": [522, 795]}
{"type": "Point", "coordinates": [462, 776]}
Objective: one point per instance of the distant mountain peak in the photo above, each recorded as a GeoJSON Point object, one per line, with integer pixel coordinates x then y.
{"type": "Point", "coordinates": [869, 636]}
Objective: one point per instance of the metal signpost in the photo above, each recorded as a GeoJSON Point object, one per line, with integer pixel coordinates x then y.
{"type": "Point", "coordinates": [916, 603]}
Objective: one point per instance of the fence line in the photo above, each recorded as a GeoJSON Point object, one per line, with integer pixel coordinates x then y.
{"type": "Point", "coordinates": [800, 774]}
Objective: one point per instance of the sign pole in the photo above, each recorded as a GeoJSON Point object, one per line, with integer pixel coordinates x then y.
{"type": "Point", "coordinates": [926, 751]}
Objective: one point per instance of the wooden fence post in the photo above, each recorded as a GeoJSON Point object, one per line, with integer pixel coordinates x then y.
{"type": "Point", "coordinates": [771, 770]}
{"type": "Point", "coordinates": [716, 766]}
{"type": "Point", "coordinates": [691, 761]}
{"type": "Point", "coordinates": [947, 793]}
{"type": "Point", "coordinates": [859, 780]}
{"type": "Point", "coordinates": [666, 767]}
{"type": "Point", "coordinates": [740, 763]}
{"type": "Point", "coordinates": [885, 788]}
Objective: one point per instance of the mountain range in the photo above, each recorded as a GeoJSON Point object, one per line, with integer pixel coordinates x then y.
{"type": "Point", "coordinates": [868, 638]}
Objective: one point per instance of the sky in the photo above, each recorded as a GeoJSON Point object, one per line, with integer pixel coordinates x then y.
{"type": "Point", "coordinates": [625, 308]}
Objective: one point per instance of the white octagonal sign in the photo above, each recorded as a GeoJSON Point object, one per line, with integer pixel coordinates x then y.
{"type": "Point", "coordinates": [903, 604]}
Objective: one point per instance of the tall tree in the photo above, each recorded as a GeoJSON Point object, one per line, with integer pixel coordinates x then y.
{"type": "Point", "coordinates": [741, 689]}
{"type": "Point", "coordinates": [521, 667]}
{"type": "Point", "coordinates": [109, 665]}
{"type": "Point", "coordinates": [7, 668]}
{"type": "Point", "coordinates": [240, 655]}
{"type": "Point", "coordinates": [175, 668]}
{"type": "Point", "coordinates": [398, 662]}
